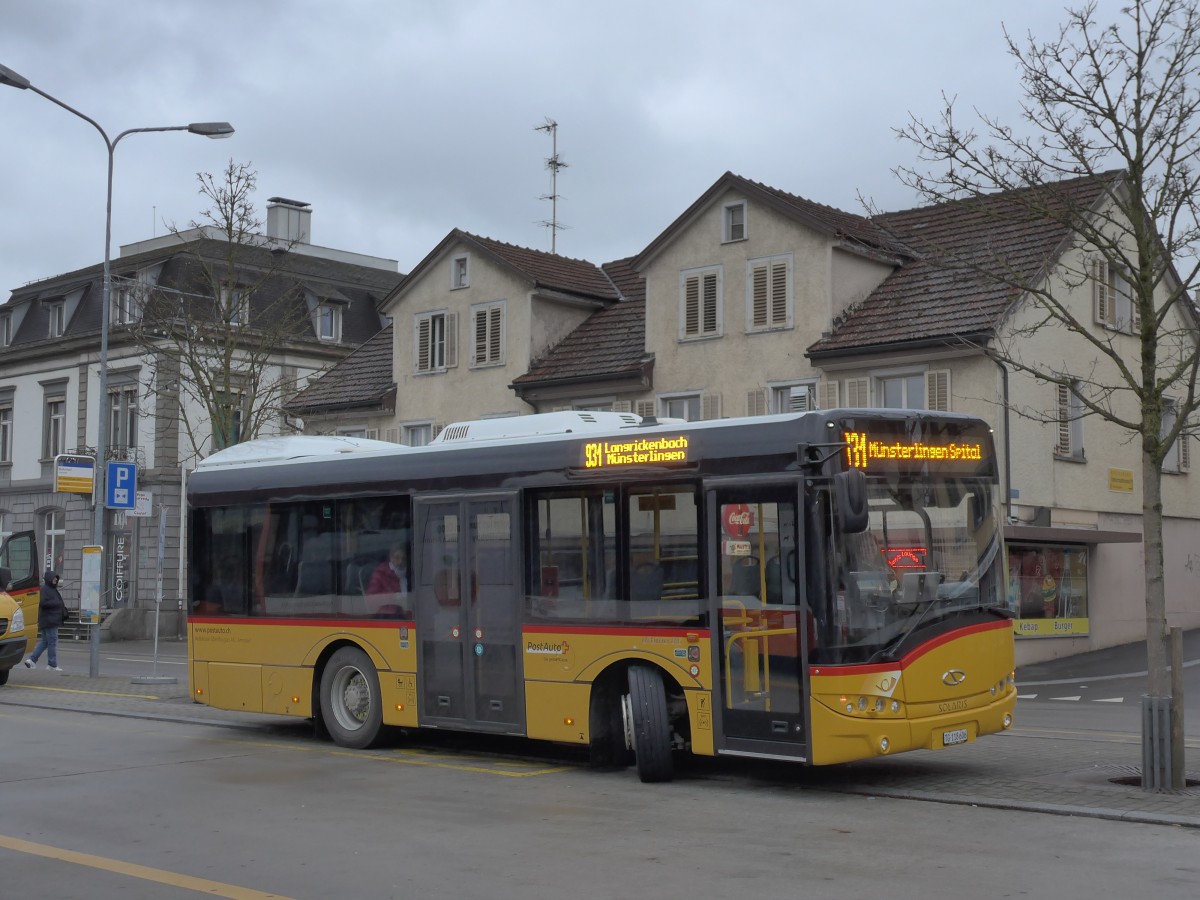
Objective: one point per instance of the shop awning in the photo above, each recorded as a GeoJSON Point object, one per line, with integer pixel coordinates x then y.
{"type": "Point", "coordinates": [1066, 535]}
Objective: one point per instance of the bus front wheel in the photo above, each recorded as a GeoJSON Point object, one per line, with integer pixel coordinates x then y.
{"type": "Point", "coordinates": [647, 724]}
{"type": "Point", "coordinates": [350, 704]}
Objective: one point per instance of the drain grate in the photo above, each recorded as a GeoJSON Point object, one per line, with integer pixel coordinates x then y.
{"type": "Point", "coordinates": [1131, 776]}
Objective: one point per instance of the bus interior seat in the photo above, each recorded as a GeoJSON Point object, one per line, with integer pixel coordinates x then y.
{"type": "Point", "coordinates": [646, 582]}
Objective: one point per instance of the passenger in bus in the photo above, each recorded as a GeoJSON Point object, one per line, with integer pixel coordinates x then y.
{"type": "Point", "coordinates": [389, 582]}
{"type": "Point", "coordinates": [229, 593]}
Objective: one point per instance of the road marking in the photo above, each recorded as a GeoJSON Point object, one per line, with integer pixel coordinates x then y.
{"type": "Point", "coordinates": [1109, 700]}
{"type": "Point", "coordinates": [38, 687]}
{"type": "Point", "coordinates": [1026, 696]}
{"type": "Point", "coordinates": [131, 870]}
{"type": "Point", "coordinates": [1066, 698]}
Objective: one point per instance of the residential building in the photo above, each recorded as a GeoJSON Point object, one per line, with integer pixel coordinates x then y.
{"type": "Point", "coordinates": [756, 301]}
{"type": "Point", "coordinates": [49, 382]}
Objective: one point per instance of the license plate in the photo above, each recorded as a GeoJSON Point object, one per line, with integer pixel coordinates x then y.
{"type": "Point", "coordinates": [957, 736]}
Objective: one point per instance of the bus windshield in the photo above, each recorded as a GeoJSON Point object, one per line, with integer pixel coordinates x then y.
{"type": "Point", "coordinates": [931, 551]}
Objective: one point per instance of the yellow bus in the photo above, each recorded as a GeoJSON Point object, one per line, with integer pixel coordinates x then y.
{"type": "Point", "coordinates": [819, 587]}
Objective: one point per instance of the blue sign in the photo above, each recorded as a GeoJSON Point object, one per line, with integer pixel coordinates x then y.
{"type": "Point", "coordinates": [121, 486]}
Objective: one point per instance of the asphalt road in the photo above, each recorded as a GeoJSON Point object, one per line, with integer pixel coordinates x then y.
{"type": "Point", "coordinates": [109, 808]}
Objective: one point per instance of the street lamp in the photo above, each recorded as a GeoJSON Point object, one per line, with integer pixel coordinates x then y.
{"type": "Point", "coordinates": [208, 129]}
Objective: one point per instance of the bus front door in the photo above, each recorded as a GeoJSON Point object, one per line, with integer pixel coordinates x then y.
{"type": "Point", "coordinates": [761, 623]}
{"type": "Point", "coordinates": [467, 614]}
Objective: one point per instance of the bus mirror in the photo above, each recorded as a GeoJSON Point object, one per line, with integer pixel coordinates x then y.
{"type": "Point", "coordinates": [850, 489]}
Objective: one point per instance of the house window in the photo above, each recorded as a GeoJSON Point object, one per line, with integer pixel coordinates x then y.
{"type": "Point", "coordinates": [5, 329]}
{"type": "Point", "coordinates": [418, 435]}
{"type": "Point", "coordinates": [436, 341]}
{"type": "Point", "coordinates": [56, 312]}
{"type": "Point", "coordinates": [1179, 456]}
{"type": "Point", "coordinates": [54, 536]}
{"type": "Point", "coordinates": [123, 416]}
{"type": "Point", "coordinates": [329, 322]}
{"type": "Point", "coordinates": [487, 335]}
{"type": "Point", "coordinates": [922, 390]}
{"type": "Point", "coordinates": [127, 300]}
{"type": "Point", "coordinates": [1048, 588]}
{"type": "Point", "coordinates": [54, 428]}
{"type": "Point", "coordinates": [700, 304]}
{"type": "Point", "coordinates": [235, 306]}
{"type": "Point", "coordinates": [793, 398]}
{"type": "Point", "coordinates": [682, 407]}
{"type": "Point", "coordinates": [460, 272]}
{"type": "Point", "coordinates": [769, 293]}
{"type": "Point", "coordinates": [6, 433]}
{"type": "Point", "coordinates": [1069, 415]}
{"type": "Point", "coordinates": [5, 526]}
{"type": "Point", "coordinates": [1111, 297]}
{"type": "Point", "coordinates": [227, 420]}
{"type": "Point", "coordinates": [734, 223]}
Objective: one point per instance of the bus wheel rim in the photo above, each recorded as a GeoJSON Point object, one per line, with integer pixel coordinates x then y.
{"type": "Point", "coordinates": [351, 698]}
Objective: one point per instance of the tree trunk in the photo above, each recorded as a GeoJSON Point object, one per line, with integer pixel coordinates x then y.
{"type": "Point", "coordinates": [1157, 680]}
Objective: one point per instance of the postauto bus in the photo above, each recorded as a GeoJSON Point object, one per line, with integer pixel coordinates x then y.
{"type": "Point", "coordinates": [818, 587]}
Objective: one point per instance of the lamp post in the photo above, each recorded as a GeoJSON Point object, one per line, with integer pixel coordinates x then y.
{"type": "Point", "coordinates": [208, 129]}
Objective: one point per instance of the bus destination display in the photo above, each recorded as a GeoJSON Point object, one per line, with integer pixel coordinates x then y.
{"type": "Point", "coordinates": [865, 452]}
{"type": "Point", "coordinates": [640, 452]}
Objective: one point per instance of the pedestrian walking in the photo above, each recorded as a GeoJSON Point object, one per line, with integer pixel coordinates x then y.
{"type": "Point", "coordinates": [51, 614]}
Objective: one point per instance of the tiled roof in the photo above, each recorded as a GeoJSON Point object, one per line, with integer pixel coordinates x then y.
{"type": "Point", "coordinates": [364, 378]}
{"type": "Point", "coordinates": [937, 295]}
{"type": "Point", "coordinates": [547, 270]}
{"type": "Point", "coordinates": [610, 343]}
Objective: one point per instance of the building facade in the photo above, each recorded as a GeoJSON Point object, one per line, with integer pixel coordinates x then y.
{"type": "Point", "coordinates": [50, 383]}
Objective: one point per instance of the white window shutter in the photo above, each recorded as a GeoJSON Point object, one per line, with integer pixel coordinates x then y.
{"type": "Point", "coordinates": [392, 435]}
{"type": "Point", "coordinates": [710, 406]}
{"type": "Point", "coordinates": [710, 323]}
{"type": "Point", "coordinates": [1185, 451]}
{"type": "Point", "coordinates": [759, 317]}
{"type": "Point", "coordinates": [828, 395]}
{"type": "Point", "coordinates": [622, 406]}
{"type": "Point", "coordinates": [691, 306]}
{"type": "Point", "coordinates": [372, 434]}
{"type": "Point", "coordinates": [937, 389]}
{"type": "Point", "coordinates": [858, 392]}
{"type": "Point", "coordinates": [451, 340]}
{"type": "Point", "coordinates": [646, 408]}
{"type": "Point", "coordinates": [1101, 301]}
{"type": "Point", "coordinates": [422, 344]}
{"type": "Point", "coordinates": [435, 429]}
{"type": "Point", "coordinates": [756, 403]}
{"type": "Point", "coordinates": [1064, 448]}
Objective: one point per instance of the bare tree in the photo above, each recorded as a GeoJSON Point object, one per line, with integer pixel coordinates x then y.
{"type": "Point", "coordinates": [1120, 103]}
{"type": "Point", "coordinates": [218, 331]}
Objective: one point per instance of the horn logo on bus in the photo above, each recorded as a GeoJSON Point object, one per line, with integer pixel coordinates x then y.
{"type": "Point", "coordinates": [954, 677]}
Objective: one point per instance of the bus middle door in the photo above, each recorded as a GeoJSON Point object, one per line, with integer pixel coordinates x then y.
{"type": "Point", "coordinates": [761, 625]}
{"type": "Point", "coordinates": [468, 613]}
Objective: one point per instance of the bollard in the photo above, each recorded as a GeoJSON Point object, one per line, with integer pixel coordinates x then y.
{"type": "Point", "coordinates": [1156, 743]}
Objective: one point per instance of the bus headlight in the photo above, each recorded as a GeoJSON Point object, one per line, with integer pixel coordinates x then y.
{"type": "Point", "coordinates": [1008, 720]}
{"type": "Point", "coordinates": [884, 743]}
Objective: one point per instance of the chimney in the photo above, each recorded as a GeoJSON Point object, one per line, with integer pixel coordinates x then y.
{"type": "Point", "coordinates": [289, 221]}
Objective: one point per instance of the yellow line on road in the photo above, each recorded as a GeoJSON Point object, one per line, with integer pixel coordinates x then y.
{"type": "Point", "coordinates": [35, 687]}
{"type": "Point", "coordinates": [145, 873]}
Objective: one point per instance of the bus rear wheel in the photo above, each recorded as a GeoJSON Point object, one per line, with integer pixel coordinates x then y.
{"type": "Point", "coordinates": [647, 724]}
{"type": "Point", "coordinates": [350, 704]}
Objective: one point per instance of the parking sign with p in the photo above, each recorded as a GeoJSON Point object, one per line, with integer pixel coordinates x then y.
{"type": "Point", "coordinates": [121, 486]}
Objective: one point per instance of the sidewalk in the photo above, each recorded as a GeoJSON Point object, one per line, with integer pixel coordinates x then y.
{"type": "Point", "coordinates": [1033, 769]}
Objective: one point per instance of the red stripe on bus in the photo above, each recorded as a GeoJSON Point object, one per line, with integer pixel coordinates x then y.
{"type": "Point", "coordinates": [910, 658]}
{"type": "Point", "coordinates": [323, 623]}
{"type": "Point", "coordinates": [613, 629]}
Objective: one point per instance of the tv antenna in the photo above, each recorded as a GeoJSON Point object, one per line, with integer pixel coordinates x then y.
{"type": "Point", "coordinates": [553, 164]}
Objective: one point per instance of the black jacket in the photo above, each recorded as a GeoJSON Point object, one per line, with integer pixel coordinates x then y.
{"type": "Point", "coordinates": [52, 611]}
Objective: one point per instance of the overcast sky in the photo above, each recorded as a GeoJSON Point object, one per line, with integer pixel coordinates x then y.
{"type": "Point", "coordinates": [399, 120]}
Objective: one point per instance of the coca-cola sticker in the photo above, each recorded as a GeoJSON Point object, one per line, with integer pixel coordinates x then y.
{"type": "Point", "coordinates": [737, 519]}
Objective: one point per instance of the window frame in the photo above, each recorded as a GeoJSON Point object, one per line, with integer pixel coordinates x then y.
{"type": "Point", "coordinates": [56, 314]}
{"type": "Point", "coordinates": [331, 313]}
{"type": "Point", "coordinates": [1069, 421]}
{"type": "Point", "coordinates": [733, 222]}
{"type": "Point", "coordinates": [440, 355]}
{"type": "Point", "coordinates": [777, 392]}
{"type": "Point", "coordinates": [123, 414]}
{"type": "Point", "coordinates": [54, 424]}
{"type": "Point", "coordinates": [460, 271]}
{"type": "Point", "coordinates": [6, 329]}
{"type": "Point", "coordinates": [6, 431]}
{"type": "Point", "coordinates": [770, 266]}
{"type": "Point", "coordinates": [1177, 459]}
{"type": "Point", "coordinates": [235, 307]}
{"type": "Point", "coordinates": [494, 320]}
{"type": "Point", "coordinates": [701, 275]}
{"type": "Point", "coordinates": [237, 404]}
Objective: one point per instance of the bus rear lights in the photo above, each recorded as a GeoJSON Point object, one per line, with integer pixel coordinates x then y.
{"type": "Point", "coordinates": [884, 744]}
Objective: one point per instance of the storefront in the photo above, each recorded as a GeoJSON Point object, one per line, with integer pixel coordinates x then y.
{"type": "Point", "coordinates": [1049, 589]}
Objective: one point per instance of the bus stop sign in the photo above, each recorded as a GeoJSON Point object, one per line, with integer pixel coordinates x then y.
{"type": "Point", "coordinates": [121, 486]}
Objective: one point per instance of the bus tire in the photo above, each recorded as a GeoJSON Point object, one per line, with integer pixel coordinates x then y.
{"type": "Point", "coordinates": [351, 708]}
{"type": "Point", "coordinates": [606, 748]}
{"type": "Point", "coordinates": [648, 724]}
{"type": "Point", "coordinates": [3, 676]}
